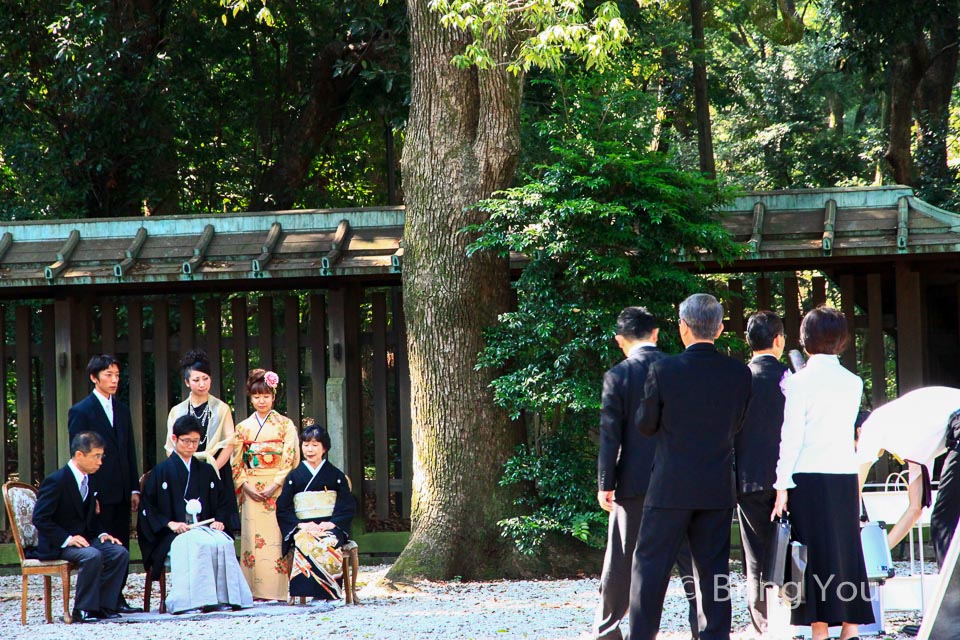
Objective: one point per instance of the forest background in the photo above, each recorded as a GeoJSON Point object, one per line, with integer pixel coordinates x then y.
{"type": "Point", "coordinates": [115, 108]}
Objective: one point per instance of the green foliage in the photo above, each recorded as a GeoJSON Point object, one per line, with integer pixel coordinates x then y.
{"type": "Point", "coordinates": [546, 30]}
{"type": "Point", "coordinates": [602, 221]}
{"type": "Point", "coordinates": [559, 469]}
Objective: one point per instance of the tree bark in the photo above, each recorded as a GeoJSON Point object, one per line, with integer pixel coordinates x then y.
{"type": "Point", "coordinates": [463, 140]}
{"type": "Point", "coordinates": [701, 99]}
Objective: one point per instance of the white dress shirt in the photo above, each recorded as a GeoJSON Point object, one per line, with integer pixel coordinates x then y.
{"type": "Point", "coordinates": [822, 402]}
{"type": "Point", "coordinates": [913, 427]}
{"type": "Point", "coordinates": [107, 403]}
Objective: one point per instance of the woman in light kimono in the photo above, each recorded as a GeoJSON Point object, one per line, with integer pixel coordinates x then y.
{"type": "Point", "coordinates": [269, 450]}
{"type": "Point", "coordinates": [314, 512]}
{"type": "Point", "coordinates": [219, 436]}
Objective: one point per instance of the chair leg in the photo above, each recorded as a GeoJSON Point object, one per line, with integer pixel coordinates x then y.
{"type": "Point", "coordinates": [23, 602]}
{"type": "Point", "coordinates": [163, 592]}
{"type": "Point", "coordinates": [46, 599]}
{"type": "Point", "coordinates": [65, 580]}
{"type": "Point", "coordinates": [345, 573]}
{"type": "Point", "coordinates": [355, 563]}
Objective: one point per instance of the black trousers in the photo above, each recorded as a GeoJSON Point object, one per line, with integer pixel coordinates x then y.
{"type": "Point", "coordinates": [661, 534]}
{"type": "Point", "coordinates": [103, 570]}
{"type": "Point", "coordinates": [946, 510]}
{"type": "Point", "coordinates": [115, 520]}
{"type": "Point", "coordinates": [622, 533]}
{"type": "Point", "coordinates": [756, 531]}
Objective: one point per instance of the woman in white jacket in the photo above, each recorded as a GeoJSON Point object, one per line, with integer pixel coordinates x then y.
{"type": "Point", "coordinates": [817, 479]}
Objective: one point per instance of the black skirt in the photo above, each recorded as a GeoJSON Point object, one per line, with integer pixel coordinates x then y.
{"type": "Point", "coordinates": [825, 515]}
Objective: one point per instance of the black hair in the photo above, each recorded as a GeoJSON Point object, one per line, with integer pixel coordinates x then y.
{"type": "Point", "coordinates": [187, 424]}
{"type": "Point", "coordinates": [824, 330]}
{"type": "Point", "coordinates": [196, 360]}
{"type": "Point", "coordinates": [100, 363]}
{"type": "Point", "coordinates": [635, 323]}
{"type": "Point", "coordinates": [762, 328]}
{"type": "Point", "coordinates": [316, 433]}
{"type": "Point", "coordinates": [85, 442]}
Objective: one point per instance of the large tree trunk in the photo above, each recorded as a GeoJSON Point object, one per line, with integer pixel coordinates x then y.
{"type": "Point", "coordinates": [700, 97]}
{"type": "Point", "coordinates": [462, 144]}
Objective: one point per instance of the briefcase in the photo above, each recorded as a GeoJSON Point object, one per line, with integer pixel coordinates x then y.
{"type": "Point", "coordinates": [794, 592]}
{"type": "Point", "coordinates": [775, 564]}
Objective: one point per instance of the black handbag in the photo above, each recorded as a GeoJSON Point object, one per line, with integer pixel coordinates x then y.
{"type": "Point", "coordinates": [775, 564]}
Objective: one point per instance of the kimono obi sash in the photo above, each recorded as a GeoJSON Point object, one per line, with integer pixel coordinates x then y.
{"type": "Point", "coordinates": [265, 454]}
{"type": "Point", "coordinates": [314, 504]}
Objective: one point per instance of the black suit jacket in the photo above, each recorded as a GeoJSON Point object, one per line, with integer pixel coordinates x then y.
{"type": "Point", "coordinates": [626, 456]}
{"type": "Point", "coordinates": [757, 446]}
{"type": "Point", "coordinates": [696, 402]}
{"type": "Point", "coordinates": [61, 513]}
{"type": "Point", "coordinates": [118, 476]}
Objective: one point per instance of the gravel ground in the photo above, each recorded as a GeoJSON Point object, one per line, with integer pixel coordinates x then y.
{"type": "Point", "coordinates": [546, 609]}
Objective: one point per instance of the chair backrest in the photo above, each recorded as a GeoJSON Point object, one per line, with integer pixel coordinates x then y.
{"type": "Point", "coordinates": [20, 500]}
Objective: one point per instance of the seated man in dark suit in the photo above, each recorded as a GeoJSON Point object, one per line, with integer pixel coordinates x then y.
{"type": "Point", "coordinates": [695, 403]}
{"type": "Point", "coordinates": [623, 471]}
{"type": "Point", "coordinates": [757, 448]}
{"type": "Point", "coordinates": [68, 528]}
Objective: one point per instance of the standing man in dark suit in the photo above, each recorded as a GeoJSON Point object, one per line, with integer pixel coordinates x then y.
{"type": "Point", "coordinates": [757, 448]}
{"type": "Point", "coordinates": [118, 478]}
{"type": "Point", "coordinates": [623, 466]}
{"type": "Point", "coordinates": [694, 403]}
{"type": "Point", "coordinates": [68, 528]}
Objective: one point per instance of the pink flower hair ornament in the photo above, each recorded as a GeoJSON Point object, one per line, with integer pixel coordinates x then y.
{"type": "Point", "coordinates": [272, 379]}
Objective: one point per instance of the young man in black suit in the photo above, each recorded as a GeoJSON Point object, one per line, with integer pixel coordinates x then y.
{"type": "Point", "coordinates": [118, 478]}
{"type": "Point", "coordinates": [756, 449]}
{"type": "Point", "coordinates": [68, 528]}
{"type": "Point", "coordinates": [694, 403]}
{"type": "Point", "coordinates": [623, 467]}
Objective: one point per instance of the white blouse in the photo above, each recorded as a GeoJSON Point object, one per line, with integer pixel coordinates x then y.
{"type": "Point", "coordinates": [822, 402]}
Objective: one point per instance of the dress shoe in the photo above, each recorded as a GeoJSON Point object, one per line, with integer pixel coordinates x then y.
{"type": "Point", "coordinates": [108, 614]}
{"type": "Point", "coordinates": [80, 616]}
{"type": "Point", "coordinates": [126, 608]}
{"type": "Point", "coordinates": [211, 608]}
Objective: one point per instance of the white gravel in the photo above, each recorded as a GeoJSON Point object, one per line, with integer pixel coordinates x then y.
{"type": "Point", "coordinates": [547, 609]}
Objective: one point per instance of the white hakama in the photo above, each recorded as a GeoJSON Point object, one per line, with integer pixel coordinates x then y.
{"type": "Point", "coordinates": [204, 572]}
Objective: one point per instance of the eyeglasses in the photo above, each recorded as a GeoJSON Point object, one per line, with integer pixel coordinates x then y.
{"type": "Point", "coordinates": [95, 456]}
{"type": "Point", "coordinates": [190, 442]}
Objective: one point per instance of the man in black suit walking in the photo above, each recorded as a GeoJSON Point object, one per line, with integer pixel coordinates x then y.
{"type": "Point", "coordinates": [118, 478]}
{"type": "Point", "coordinates": [623, 467]}
{"type": "Point", "coordinates": [756, 449]}
{"type": "Point", "coordinates": [695, 403]}
{"type": "Point", "coordinates": [68, 528]}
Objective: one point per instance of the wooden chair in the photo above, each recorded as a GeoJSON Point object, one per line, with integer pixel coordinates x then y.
{"type": "Point", "coordinates": [20, 499]}
{"type": "Point", "coordinates": [148, 583]}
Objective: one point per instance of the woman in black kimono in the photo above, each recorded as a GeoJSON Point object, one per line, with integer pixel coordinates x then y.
{"type": "Point", "coordinates": [314, 512]}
